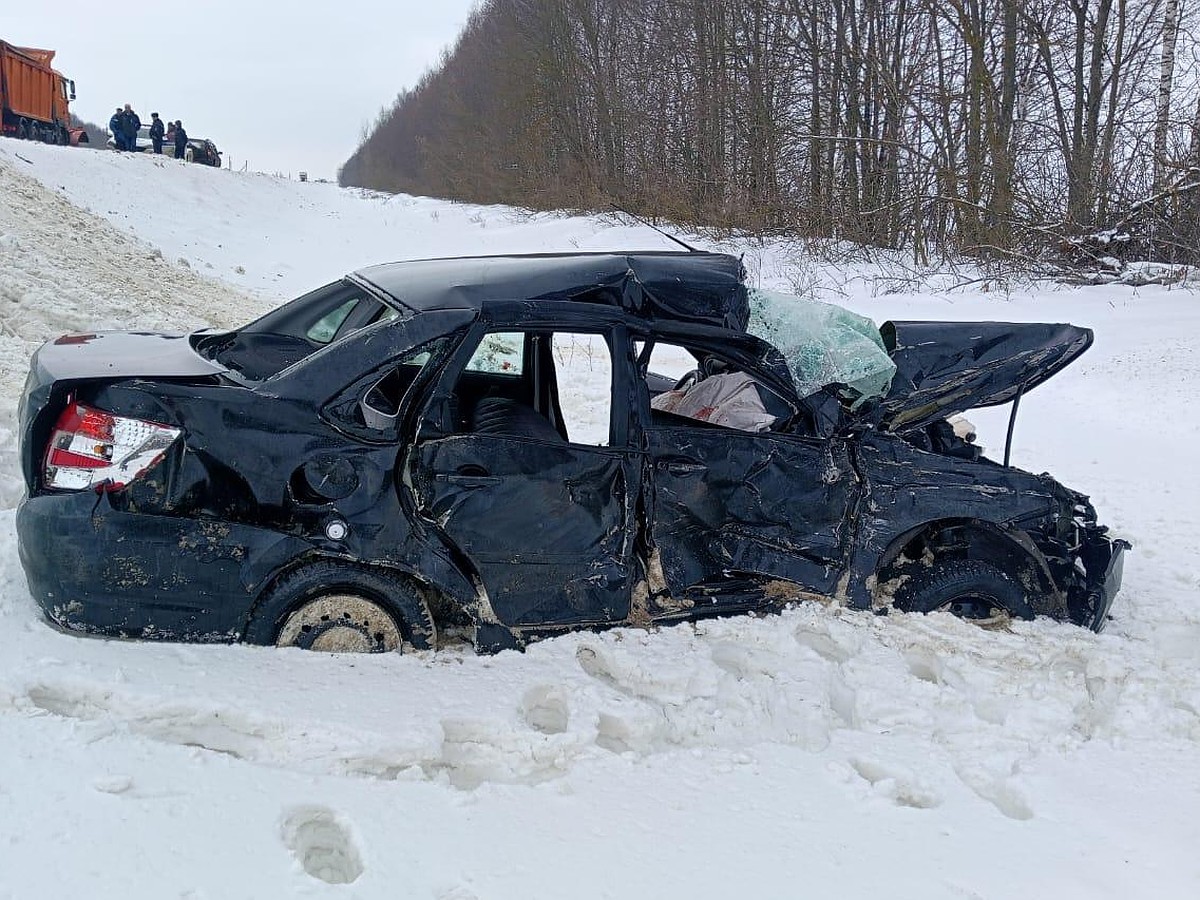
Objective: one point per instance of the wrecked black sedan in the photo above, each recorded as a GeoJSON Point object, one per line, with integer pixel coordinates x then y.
{"type": "Point", "coordinates": [499, 447]}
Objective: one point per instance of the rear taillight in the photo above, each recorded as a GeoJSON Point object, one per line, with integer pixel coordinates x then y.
{"type": "Point", "coordinates": [90, 448]}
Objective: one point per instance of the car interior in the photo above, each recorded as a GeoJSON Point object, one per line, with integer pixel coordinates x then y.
{"type": "Point", "coordinates": [542, 385]}
{"type": "Point", "coordinates": [509, 387]}
{"type": "Point", "coordinates": [675, 360]}
{"type": "Point", "coordinates": [512, 384]}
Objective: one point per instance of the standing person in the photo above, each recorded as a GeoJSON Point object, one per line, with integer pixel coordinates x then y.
{"type": "Point", "coordinates": [116, 127]}
{"type": "Point", "coordinates": [156, 132]}
{"type": "Point", "coordinates": [180, 139]}
{"type": "Point", "coordinates": [132, 124]}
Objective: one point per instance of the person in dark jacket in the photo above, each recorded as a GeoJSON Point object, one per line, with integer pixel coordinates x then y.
{"type": "Point", "coordinates": [156, 132]}
{"type": "Point", "coordinates": [116, 127]}
{"type": "Point", "coordinates": [132, 124]}
{"type": "Point", "coordinates": [180, 140]}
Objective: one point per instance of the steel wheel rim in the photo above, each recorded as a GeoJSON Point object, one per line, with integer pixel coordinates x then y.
{"type": "Point", "coordinates": [340, 623]}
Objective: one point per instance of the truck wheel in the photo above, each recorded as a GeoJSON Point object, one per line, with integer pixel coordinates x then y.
{"type": "Point", "coordinates": [968, 588]}
{"type": "Point", "coordinates": [339, 608]}
{"type": "Point", "coordinates": [23, 129]}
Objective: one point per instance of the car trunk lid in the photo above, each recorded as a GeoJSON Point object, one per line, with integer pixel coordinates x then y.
{"type": "Point", "coordinates": [74, 359]}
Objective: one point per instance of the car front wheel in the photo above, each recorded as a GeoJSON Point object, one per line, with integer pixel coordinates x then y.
{"type": "Point", "coordinates": [970, 589]}
{"type": "Point", "coordinates": [336, 608]}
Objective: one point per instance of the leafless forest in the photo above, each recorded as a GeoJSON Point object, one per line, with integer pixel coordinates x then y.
{"type": "Point", "coordinates": [999, 128]}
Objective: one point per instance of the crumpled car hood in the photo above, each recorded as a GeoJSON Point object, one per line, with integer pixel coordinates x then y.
{"type": "Point", "coordinates": [945, 368]}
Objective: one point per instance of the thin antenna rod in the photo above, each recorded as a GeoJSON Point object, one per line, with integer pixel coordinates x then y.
{"type": "Point", "coordinates": [672, 237]}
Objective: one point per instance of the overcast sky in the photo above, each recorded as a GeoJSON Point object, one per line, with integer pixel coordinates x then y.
{"type": "Point", "coordinates": [287, 86]}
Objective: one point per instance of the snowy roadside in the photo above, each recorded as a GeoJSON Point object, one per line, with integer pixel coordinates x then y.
{"type": "Point", "coordinates": [65, 270]}
{"type": "Point", "coordinates": [820, 752]}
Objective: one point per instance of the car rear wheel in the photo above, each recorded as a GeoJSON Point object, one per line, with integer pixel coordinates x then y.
{"type": "Point", "coordinates": [970, 589]}
{"type": "Point", "coordinates": [337, 608]}
{"type": "Point", "coordinates": [340, 623]}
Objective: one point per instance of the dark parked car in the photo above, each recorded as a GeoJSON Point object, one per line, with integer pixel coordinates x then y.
{"type": "Point", "coordinates": [203, 151]}
{"type": "Point", "coordinates": [200, 150]}
{"type": "Point", "coordinates": [481, 443]}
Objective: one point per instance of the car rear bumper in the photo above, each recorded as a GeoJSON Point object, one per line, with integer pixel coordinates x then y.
{"type": "Point", "coordinates": [97, 569]}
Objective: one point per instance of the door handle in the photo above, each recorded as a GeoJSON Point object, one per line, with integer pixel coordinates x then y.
{"type": "Point", "coordinates": [468, 475]}
{"type": "Point", "coordinates": [468, 480]}
{"type": "Point", "coordinates": [681, 468]}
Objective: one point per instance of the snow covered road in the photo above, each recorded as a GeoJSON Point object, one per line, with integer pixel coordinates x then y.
{"type": "Point", "coordinates": [822, 752]}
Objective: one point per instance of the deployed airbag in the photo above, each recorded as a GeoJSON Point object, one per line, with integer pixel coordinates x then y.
{"type": "Point", "coordinates": [730, 399]}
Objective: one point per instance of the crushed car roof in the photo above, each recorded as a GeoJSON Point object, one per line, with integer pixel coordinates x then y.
{"type": "Point", "coordinates": [698, 287]}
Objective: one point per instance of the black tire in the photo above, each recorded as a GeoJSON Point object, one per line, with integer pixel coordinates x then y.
{"type": "Point", "coordinates": [968, 588]}
{"type": "Point", "coordinates": [396, 595]}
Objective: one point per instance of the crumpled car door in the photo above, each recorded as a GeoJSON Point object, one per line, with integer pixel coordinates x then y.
{"type": "Point", "coordinates": [732, 503]}
{"type": "Point", "coordinates": [547, 526]}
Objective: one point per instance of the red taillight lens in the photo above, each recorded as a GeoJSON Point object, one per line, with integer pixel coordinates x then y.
{"type": "Point", "coordinates": [90, 448]}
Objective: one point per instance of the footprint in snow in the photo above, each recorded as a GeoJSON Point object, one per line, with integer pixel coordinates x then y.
{"type": "Point", "coordinates": [544, 708]}
{"type": "Point", "coordinates": [899, 785]}
{"type": "Point", "coordinates": [322, 843]}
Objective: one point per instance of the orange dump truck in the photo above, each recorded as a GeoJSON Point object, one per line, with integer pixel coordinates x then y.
{"type": "Point", "coordinates": [34, 97]}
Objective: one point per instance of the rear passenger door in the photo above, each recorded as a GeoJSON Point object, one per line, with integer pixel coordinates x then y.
{"type": "Point", "coordinates": [526, 470]}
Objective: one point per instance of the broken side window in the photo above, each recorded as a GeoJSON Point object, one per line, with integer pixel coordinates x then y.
{"type": "Point", "coordinates": [709, 389]}
{"type": "Point", "coordinates": [380, 405]}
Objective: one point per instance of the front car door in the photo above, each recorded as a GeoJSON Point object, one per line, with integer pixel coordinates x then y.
{"type": "Point", "coordinates": [539, 504]}
{"type": "Point", "coordinates": [731, 506]}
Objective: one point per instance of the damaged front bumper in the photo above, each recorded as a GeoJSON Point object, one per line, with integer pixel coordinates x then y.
{"type": "Point", "coordinates": [1103, 562]}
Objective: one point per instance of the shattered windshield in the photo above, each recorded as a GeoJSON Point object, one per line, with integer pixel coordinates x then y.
{"type": "Point", "coordinates": [823, 345]}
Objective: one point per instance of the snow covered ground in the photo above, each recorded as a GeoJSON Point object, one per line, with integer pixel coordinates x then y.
{"type": "Point", "coordinates": [822, 752]}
